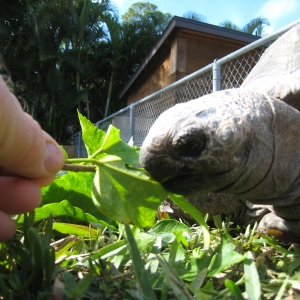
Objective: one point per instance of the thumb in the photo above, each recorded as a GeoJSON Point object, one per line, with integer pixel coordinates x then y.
{"type": "Point", "coordinates": [25, 149]}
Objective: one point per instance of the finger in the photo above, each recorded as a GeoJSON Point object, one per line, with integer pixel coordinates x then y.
{"type": "Point", "coordinates": [7, 227]}
{"type": "Point", "coordinates": [18, 195]}
{"type": "Point", "coordinates": [25, 149]}
{"type": "Point", "coordinates": [42, 182]}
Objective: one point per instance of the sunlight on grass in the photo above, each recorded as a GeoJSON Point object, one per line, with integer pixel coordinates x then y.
{"type": "Point", "coordinates": [169, 261]}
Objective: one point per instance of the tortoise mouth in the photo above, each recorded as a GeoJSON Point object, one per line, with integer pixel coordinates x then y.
{"type": "Point", "coordinates": [183, 184]}
{"type": "Point", "coordinates": [196, 184]}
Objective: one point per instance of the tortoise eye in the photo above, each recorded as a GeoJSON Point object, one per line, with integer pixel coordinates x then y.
{"type": "Point", "coordinates": [187, 143]}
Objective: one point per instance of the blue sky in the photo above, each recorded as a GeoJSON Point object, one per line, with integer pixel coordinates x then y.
{"type": "Point", "coordinates": [278, 12]}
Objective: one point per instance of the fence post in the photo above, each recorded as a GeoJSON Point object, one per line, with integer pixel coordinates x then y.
{"type": "Point", "coordinates": [79, 143]}
{"type": "Point", "coordinates": [216, 76]}
{"type": "Point", "coordinates": [132, 109]}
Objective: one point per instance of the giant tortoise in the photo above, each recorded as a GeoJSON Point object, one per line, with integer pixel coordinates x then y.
{"type": "Point", "coordinates": [237, 151]}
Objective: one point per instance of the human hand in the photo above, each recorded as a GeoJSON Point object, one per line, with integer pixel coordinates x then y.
{"type": "Point", "coordinates": [29, 160]}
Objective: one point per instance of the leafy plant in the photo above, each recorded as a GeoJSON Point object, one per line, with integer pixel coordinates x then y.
{"type": "Point", "coordinates": [37, 259]}
{"type": "Point", "coordinates": [67, 248]}
{"type": "Point", "coordinates": [122, 192]}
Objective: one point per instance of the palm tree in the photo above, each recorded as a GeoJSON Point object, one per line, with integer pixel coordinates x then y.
{"type": "Point", "coordinates": [114, 40]}
{"type": "Point", "coordinates": [194, 16]}
{"type": "Point", "coordinates": [66, 53]}
{"type": "Point", "coordinates": [254, 27]}
{"type": "Point", "coordinates": [84, 28]}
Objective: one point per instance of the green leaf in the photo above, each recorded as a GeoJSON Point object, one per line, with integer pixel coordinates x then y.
{"type": "Point", "coordinates": [153, 242]}
{"type": "Point", "coordinates": [64, 151]}
{"type": "Point", "coordinates": [36, 246]}
{"type": "Point", "coordinates": [281, 292]}
{"type": "Point", "coordinates": [110, 250]}
{"type": "Point", "coordinates": [62, 250]}
{"type": "Point", "coordinates": [252, 283]}
{"type": "Point", "coordinates": [160, 235]}
{"type": "Point", "coordinates": [63, 209]}
{"type": "Point", "coordinates": [195, 265]}
{"type": "Point", "coordinates": [92, 136]}
{"type": "Point", "coordinates": [166, 226]}
{"type": "Point", "coordinates": [293, 265]}
{"type": "Point", "coordinates": [115, 146]}
{"type": "Point", "coordinates": [126, 195]}
{"type": "Point", "coordinates": [233, 288]}
{"type": "Point", "coordinates": [15, 282]}
{"type": "Point", "coordinates": [5, 290]}
{"type": "Point", "coordinates": [199, 280]}
{"type": "Point", "coordinates": [141, 274]}
{"type": "Point", "coordinates": [174, 282]}
{"type": "Point", "coordinates": [70, 284]}
{"type": "Point", "coordinates": [201, 294]}
{"type": "Point", "coordinates": [218, 221]}
{"type": "Point", "coordinates": [76, 188]}
{"type": "Point", "coordinates": [84, 283]}
{"type": "Point", "coordinates": [49, 265]}
{"type": "Point", "coordinates": [75, 229]}
{"type": "Point", "coordinates": [176, 249]}
{"type": "Point", "coordinates": [98, 143]}
{"type": "Point", "coordinates": [48, 234]}
{"type": "Point", "coordinates": [225, 257]}
{"type": "Point", "coordinates": [181, 202]}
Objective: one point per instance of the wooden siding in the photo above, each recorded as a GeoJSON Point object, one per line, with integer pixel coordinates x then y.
{"type": "Point", "coordinates": [186, 54]}
{"type": "Point", "coordinates": [157, 78]}
{"type": "Point", "coordinates": [201, 53]}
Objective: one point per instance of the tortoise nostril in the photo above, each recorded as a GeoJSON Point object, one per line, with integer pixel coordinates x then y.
{"type": "Point", "coordinates": [188, 143]}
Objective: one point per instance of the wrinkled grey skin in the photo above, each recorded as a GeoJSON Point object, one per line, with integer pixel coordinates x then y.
{"type": "Point", "coordinates": [237, 152]}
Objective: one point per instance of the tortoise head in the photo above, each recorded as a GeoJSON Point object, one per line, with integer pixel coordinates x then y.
{"type": "Point", "coordinates": [203, 145]}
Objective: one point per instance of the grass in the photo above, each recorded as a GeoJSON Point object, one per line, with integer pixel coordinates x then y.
{"type": "Point", "coordinates": [169, 261]}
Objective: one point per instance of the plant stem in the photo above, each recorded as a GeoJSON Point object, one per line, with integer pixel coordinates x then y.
{"type": "Point", "coordinates": [82, 160]}
{"type": "Point", "coordinates": [79, 168]}
{"type": "Point", "coordinates": [74, 164]}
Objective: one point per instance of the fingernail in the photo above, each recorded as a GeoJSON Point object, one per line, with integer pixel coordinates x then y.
{"type": "Point", "coordinates": [54, 157]}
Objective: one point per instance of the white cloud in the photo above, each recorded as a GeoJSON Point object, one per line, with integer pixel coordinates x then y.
{"type": "Point", "coordinates": [277, 12]}
{"type": "Point", "coordinates": [274, 10]}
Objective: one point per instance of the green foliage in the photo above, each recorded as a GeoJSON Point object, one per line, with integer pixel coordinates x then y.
{"type": "Point", "coordinates": [142, 275]}
{"type": "Point", "coordinates": [255, 26]}
{"type": "Point", "coordinates": [147, 14]}
{"type": "Point", "coordinates": [66, 249]}
{"type": "Point", "coordinates": [251, 277]}
{"type": "Point", "coordinates": [37, 258]}
{"type": "Point", "coordinates": [74, 187]}
{"type": "Point", "coordinates": [194, 16]}
{"type": "Point", "coordinates": [92, 136]}
{"type": "Point", "coordinates": [126, 195]}
{"type": "Point", "coordinates": [182, 268]}
{"type": "Point", "coordinates": [62, 209]}
{"type": "Point", "coordinates": [120, 191]}
{"type": "Point", "coordinates": [69, 55]}
{"type": "Point", "coordinates": [186, 206]}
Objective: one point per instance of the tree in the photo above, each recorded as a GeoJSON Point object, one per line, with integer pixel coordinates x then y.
{"type": "Point", "coordinates": [114, 40]}
{"type": "Point", "coordinates": [146, 14]}
{"type": "Point", "coordinates": [69, 54]}
{"type": "Point", "coordinates": [129, 42]}
{"type": "Point", "coordinates": [255, 26]}
{"type": "Point", "coordinates": [194, 16]}
{"type": "Point", "coordinates": [142, 26]}
{"type": "Point", "coordinates": [83, 26]}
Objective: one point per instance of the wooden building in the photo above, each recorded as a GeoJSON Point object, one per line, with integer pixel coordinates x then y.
{"type": "Point", "coordinates": [185, 47]}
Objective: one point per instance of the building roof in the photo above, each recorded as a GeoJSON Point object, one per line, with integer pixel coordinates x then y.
{"type": "Point", "coordinates": [188, 27]}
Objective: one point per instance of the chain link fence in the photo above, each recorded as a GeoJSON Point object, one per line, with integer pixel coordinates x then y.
{"type": "Point", "coordinates": [235, 71]}
{"type": "Point", "coordinates": [228, 72]}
